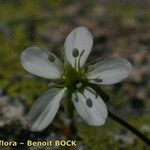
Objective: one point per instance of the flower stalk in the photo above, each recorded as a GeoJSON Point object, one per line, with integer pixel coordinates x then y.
{"type": "Point", "coordinates": [128, 126]}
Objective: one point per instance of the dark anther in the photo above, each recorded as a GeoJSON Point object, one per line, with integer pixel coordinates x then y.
{"type": "Point", "coordinates": [96, 95]}
{"type": "Point", "coordinates": [75, 53]}
{"type": "Point", "coordinates": [98, 80]}
{"type": "Point", "coordinates": [89, 102]}
{"type": "Point", "coordinates": [51, 58]}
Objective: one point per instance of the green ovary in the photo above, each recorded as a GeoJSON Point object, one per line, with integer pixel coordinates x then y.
{"type": "Point", "coordinates": [72, 78]}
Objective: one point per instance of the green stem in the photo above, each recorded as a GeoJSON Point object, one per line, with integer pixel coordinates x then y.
{"type": "Point", "coordinates": [129, 127]}
{"type": "Point", "coordinates": [69, 107]}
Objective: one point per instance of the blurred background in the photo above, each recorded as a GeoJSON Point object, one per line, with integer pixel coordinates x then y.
{"type": "Point", "coordinates": [119, 27]}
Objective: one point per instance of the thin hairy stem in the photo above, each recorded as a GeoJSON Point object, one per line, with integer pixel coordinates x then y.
{"type": "Point", "coordinates": [129, 127]}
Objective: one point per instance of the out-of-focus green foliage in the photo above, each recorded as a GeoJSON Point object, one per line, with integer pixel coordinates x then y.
{"type": "Point", "coordinates": [104, 137]}
{"type": "Point", "coordinates": [95, 138]}
{"type": "Point", "coordinates": [14, 16]}
{"type": "Point", "coordinates": [11, 72]}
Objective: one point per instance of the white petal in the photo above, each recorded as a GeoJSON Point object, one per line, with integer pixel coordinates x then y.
{"type": "Point", "coordinates": [94, 115]}
{"type": "Point", "coordinates": [44, 109]}
{"type": "Point", "coordinates": [81, 39]}
{"type": "Point", "coordinates": [110, 70]}
{"type": "Point", "coordinates": [36, 61]}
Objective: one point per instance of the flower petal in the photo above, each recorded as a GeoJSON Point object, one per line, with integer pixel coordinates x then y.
{"type": "Point", "coordinates": [44, 109]}
{"type": "Point", "coordinates": [110, 71]}
{"type": "Point", "coordinates": [80, 39]}
{"type": "Point", "coordinates": [37, 61]}
{"type": "Point", "coordinates": [90, 107]}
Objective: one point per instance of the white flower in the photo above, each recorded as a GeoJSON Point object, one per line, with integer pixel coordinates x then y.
{"type": "Point", "coordinates": [72, 77]}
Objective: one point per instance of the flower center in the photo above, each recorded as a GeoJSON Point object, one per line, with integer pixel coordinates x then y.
{"type": "Point", "coordinates": [73, 79]}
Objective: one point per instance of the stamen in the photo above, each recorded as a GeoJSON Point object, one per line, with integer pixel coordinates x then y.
{"type": "Point", "coordinates": [90, 90]}
{"type": "Point", "coordinates": [96, 95]}
{"type": "Point", "coordinates": [97, 60]}
{"type": "Point", "coordinates": [63, 77]}
{"type": "Point", "coordinates": [98, 80]}
{"type": "Point", "coordinates": [75, 63]}
{"type": "Point", "coordinates": [82, 52]}
{"type": "Point", "coordinates": [51, 84]}
{"type": "Point", "coordinates": [93, 92]}
{"type": "Point", "coordinates": [75, 53]}
{"type": "Point", "coordinates": [91, 68]}
{"type": "Point", "coordinates": [89, 102]}
{"type": "Point", "coordinates": [76, 99]}
{"type": "Point", "coordinates": [51, 58]}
